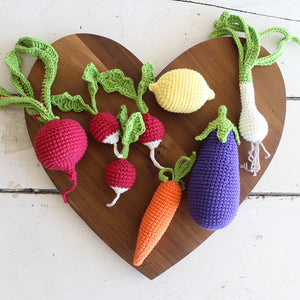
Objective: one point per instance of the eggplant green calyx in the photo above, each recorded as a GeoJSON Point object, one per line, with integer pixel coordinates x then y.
{"type": "Point", "coordinates": [223, 127]}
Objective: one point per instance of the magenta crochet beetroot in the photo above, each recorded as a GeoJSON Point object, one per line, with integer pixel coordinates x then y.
{"type": "Point", "coordinates": [214, 187]}
{"type": "Point", "coordinates": [60, 144]}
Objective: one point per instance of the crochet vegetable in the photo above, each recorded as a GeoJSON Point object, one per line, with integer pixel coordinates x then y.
{"type": "Point", "coordinates": [162, 208]}
{"type": "Point", "coordinates": [253, 126]}
{"type": "Point", "coordinates": [59, 144]}
{"type": "Point", "coordinates": [181, 91]}
{"type": "Point", "coordinates": [120, 174]}
{"type": "Point", "coordinates": [103, 126]}
{"type": "Point", "coordinates": [214, 187]}
{"type": "Point", "coordinates": [115, 80]}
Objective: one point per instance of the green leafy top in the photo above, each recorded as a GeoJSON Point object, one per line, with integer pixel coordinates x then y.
{"type": "Point", "coordinates": [248, 54]}
{"type": "Point", "coordinates": [223, 126]}
{"type": "Point", "coordinates": [115, 81]}
{"type": "Point", "coordinates": [183, 165]}
{"type": "Point", "coordinates": [132, 129]}
{"type": "Point", "coordinates": [41, 109]}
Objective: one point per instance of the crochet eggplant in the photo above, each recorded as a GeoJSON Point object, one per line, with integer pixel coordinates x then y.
{"type": "Point", "coordinates": [214, 188]}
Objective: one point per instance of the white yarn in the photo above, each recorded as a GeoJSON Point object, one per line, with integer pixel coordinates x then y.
{"type": "Point", "coordinates": [116, 151]}
{"type": "Point", "coordinates": [112, 138]}
{"type": "Point", "coordinates": [118, 191]}
{"type": "Point", "coordinates": [253, 126]}
{"type": "Point", "coordinates": [152, 146]}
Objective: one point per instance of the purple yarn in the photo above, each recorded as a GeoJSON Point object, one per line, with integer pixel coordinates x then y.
{"type": "Point", "coordinates": [214, 187]}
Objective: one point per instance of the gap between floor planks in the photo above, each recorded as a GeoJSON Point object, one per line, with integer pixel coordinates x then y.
{"type": "Point", "coordinates": [237, 10]}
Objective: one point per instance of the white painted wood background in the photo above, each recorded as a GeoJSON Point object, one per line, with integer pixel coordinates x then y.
{"type": "Point", "coordinates": [48, 252]}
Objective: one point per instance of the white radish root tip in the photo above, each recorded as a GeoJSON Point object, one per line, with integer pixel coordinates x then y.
{"type": "Point", "coordinates": [114, 201]}
{"type": "Point", "coordinates": [116, 151]}
{"type": "Point", "coordinates": [152, 156]}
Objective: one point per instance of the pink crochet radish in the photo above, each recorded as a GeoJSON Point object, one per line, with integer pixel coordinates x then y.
{"type": "Point", "coordinates": [120, 174]}
{"type": "Point", "coordinates": [59, 144]}
{"type": "Point", "coordinates": [104, 126]}
{"type": "Point", "coordinates": [115, 80]}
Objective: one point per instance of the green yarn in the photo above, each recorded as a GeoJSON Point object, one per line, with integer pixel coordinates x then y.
{"type": "Point", "coordinates": [183, 165]}
{"type": "Point", "coordinates": [133, 128]}
{"type": "Point", "coordinates": [116, 81]}
{"type": "Point", "coordinates": [122, 117]}
{"type": "Point", "coordinates": [248, 54]}
{"type": "Point", "coordinates": [223, 126]}
{"type": "Point", "coordinates": [42, 109]}
{"type": "Point", "coordinates": [65, 102]}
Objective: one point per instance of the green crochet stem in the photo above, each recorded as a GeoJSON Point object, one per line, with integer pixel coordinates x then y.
{"type": "Point", "coordinates": [248, 54]}
{"type": "Point", "coordinates": [133, 127]}
{"type": "Point", "coordinates": [223, 126]}
{"type": "Point", "coordinates": [41, 109]}
{"type": "Point", "coordinates": [183, 165]}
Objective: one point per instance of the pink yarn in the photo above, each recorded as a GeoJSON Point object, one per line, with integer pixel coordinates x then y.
{"type": "Point", "coordinates": [120, 173]}
{"type": "Point", "coordinates": [154, 129]}
{"type": "Point", "coordinates": [102, 126]}
{"type": "Point", "coordinates": [59, 145]}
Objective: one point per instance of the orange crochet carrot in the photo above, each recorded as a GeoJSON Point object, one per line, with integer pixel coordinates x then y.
{"type": "Point", "coordinates": [162, 208]}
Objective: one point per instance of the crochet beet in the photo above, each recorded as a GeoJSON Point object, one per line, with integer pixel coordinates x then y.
{"type": "Point", "coordinates": [60, 144]}
{"type": "Point", "coordinates": [214, 187]}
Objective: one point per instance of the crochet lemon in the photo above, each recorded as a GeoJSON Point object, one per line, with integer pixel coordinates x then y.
{"type": "Point", "coordinates": [181, 91]}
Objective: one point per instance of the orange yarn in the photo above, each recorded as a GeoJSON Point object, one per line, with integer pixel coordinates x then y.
{"type": "Point", "coordinates": [157, 218]}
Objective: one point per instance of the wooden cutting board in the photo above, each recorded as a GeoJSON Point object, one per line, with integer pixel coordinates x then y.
{"type": "Point", "coordinates": [217, 61]}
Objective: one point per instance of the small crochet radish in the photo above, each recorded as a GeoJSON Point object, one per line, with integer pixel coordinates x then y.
{"type": "Point", "coordinates": [120, 174]}
{"type": "Point", "coordinates": [214, 187]}
{"type": "Point", "coordinates": [59, 144]}
{"type": "Point", "coordinates": [115, 80]}
{"type": "Point", "coordinates": [104, 126]}
{"type": "Point", "coordinates": [252, 125]}
{"type": "Point", "coordinates": [162, 208]}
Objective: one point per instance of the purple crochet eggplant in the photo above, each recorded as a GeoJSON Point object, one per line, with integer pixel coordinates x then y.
{"type": "Point", "coordinates": [214, 188]}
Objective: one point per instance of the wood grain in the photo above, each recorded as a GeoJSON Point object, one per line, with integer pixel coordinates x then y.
{"type": "Point", "coordinates": [118, 227]}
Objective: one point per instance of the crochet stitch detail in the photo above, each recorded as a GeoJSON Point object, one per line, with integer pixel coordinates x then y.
{"type": "Point", "coordinates": [181, 91]}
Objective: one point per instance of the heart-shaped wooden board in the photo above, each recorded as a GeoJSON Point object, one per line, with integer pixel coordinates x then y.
{"type": "Point", "coordinates": [217, 61]}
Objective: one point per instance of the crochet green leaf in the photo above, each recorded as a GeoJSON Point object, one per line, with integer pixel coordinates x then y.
{"type": "Point", "coordinates": [183, 165]}
{"type": "Point", "coordinates": [122, 117]}
{"type": "Point", "coordinates": [115, 81]}
{"type": "Point", "coordinates": [223, 126]}
{"type": "Point", "coordinates": [91, 76]}
{"type": "Point", "coordinates": [65, 102]}
{"type": "Point", "coordinates": [135, 126]}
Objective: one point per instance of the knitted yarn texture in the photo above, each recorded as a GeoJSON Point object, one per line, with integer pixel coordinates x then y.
{"type": "Point", "coordinates": [157, 218]}
{"type": "Point", "coordinates": [181, 91]}
{"type": "Point", "coordinates": [59, 145]}
{"type": "Point", "coordinates": [214, 187]}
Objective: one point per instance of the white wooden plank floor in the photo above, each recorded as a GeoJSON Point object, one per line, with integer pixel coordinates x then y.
{"type": "Point", "coordinates": [48, 252]}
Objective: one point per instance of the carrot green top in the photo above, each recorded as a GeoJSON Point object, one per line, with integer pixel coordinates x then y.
{"type": "Point", "coordinates": [223, 126]}
{"type": "Point", "coordinates": [182, 167]}
{"type": "Point", "coordinates": [248, 54]}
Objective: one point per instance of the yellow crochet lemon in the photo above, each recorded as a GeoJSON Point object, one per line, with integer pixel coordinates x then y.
{"type": "Point", "coordinates": [181, 91]}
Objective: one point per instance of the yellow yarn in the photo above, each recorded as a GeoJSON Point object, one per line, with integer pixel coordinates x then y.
{"type": "Point", "coordinates": [181, 91]}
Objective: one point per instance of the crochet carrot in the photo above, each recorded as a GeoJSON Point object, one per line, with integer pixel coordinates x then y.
{"type": "Point", "coordinates": [253, 126]}
{"type": "Point", "coordinates": [59, 144]}
{"type": "Point", "coordinates": [162, 208]}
